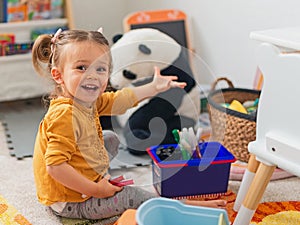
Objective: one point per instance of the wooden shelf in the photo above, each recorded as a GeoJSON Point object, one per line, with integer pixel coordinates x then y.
{"type": "Point", "coordinates": [13, 26]}
{"type": "Point", "coordinates": [18, 80]}
{"type": "Point", "coordinates": [15, 58]}
{"type": "Point", "coordinates": [22, 29]}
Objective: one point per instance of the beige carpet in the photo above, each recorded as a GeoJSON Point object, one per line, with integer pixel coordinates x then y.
{"type": "Point", "coordinates": [17, 186]}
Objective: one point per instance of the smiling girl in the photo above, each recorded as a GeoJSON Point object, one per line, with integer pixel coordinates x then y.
{"type": "Point", "coordinates": [70, 158]}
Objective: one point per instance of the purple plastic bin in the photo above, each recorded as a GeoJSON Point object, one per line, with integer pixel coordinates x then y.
{"type": "Point", "coordinates": [194, 177]}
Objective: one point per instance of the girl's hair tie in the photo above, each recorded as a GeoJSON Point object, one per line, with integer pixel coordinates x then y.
{"type": "Point", "coordinates": [54, 38]}
{"type": "Point", "coordinates": [57, 33]}
{"type": "Point", "coordinates": [100, 30]}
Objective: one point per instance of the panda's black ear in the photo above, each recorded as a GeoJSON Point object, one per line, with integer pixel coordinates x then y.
{"type": "Point", "coordinates": [144, 49]}
{"type": "Point", "coordinates": [117, 37]}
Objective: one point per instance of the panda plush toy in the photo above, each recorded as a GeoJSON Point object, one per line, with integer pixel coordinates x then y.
{"type": "Point", "coordinates": [151, 122]}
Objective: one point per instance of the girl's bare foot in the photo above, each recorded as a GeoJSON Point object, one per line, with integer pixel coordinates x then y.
{"type": "Point", "coordinates": [209, 203]}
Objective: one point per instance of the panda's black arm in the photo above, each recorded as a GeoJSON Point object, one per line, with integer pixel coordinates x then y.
{"type": "Point", "coordinates": [165, 104]}
{"type": "Point", "coordinates": [157, 107]}
{"type": "Point", "coordinates": [181, 68]}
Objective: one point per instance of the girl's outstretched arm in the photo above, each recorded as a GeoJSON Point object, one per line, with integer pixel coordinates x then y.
{"type": "Point", "coordinates": [159, 84]}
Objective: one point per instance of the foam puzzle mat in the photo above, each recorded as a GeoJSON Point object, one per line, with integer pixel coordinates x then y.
{"type": "Point", "coordinates": [21, 120]}
{"type": "Point", "coordinates": [124, 159]}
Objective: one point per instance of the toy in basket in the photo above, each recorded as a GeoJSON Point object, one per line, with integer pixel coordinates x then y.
{"type": "Point", "coordinates": [176, 177]}
{"type": "Point", "coordinates": [161, 211]}
{"type": "Point", "coordinates": [234, 129]}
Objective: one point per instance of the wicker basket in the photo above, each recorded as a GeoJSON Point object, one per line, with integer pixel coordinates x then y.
{"type": "Point", "coordinates": [232, 128]}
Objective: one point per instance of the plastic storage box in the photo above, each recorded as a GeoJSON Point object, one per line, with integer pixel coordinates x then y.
{"type": "Point", "coordinates": [163, 211]}
{"type": "Point", "coordinates": [195, 177]}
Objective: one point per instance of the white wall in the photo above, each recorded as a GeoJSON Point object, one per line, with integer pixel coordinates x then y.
{"type": "Point", "coordinates": [219, 29]}
{"type": "Point", "coordinates": [92, 14]}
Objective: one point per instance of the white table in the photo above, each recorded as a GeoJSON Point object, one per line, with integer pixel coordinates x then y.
{"type": "Point", "coordinates": [288, 38]}
{"type": "Point", "coordinates": [277, 131]}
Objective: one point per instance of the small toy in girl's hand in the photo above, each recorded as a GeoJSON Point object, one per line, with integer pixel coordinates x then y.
{"type": "Point", "coordinates": [120, 181]}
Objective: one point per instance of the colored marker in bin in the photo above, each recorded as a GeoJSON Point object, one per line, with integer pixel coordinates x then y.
{"type": "Point", "coordinates": [188, 143]}
{"type": "Point", "coordinates": [194, 142]}
{"type": "Point", "coordinates": [175, 133]}
{"type": "Point", "coordinates": [184, 153]}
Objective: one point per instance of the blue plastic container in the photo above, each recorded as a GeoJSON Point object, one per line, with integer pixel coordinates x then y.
{"type": "Point", "coordinates": [195, 177]}
{"type": "Point", "coordinates": [163, 211]}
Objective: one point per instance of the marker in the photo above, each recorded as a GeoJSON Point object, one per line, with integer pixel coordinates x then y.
{"type": "Point", "coordinates": [175, 133]}
{"type": "Point", "coordinates": [199, 133]}
{"type": "Point", "coordinates": [197, 151]}
{"type": "Point", "coordinates": [195, 140]}
{"type": "Point", "coordinates": [184, 145]}
{"type": "Point", "coordinates": [120, 181]}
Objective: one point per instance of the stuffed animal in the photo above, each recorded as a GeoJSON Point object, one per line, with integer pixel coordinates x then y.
{"type": "Point", "coordinates": [151, 122]}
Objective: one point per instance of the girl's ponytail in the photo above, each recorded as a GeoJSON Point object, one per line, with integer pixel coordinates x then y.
{"type": "Point", "coordinates": [41, 55]}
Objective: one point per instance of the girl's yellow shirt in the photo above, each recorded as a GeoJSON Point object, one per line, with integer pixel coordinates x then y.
{"type": "Point", "coordinates": [72, 133]}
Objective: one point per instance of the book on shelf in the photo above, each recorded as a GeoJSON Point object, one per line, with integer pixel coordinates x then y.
{"type": "Point", "coordinates": [16, 10]}
{"type": "Point", "coordinates": [38, 31]}
{"type": "Point", "coordinates": [5, 38]}
{"type": "Point", "coordinates": [3, 11]}
{"type": "Point", "coordinates": [39, 11]}
{"type": "Point", "coordinates": [16, 48]}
